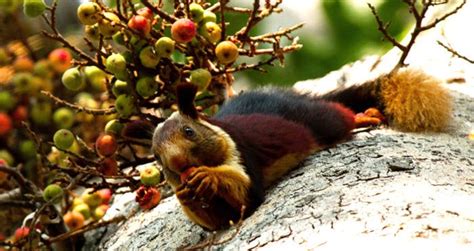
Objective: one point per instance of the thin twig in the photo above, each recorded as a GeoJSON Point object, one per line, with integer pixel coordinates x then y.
{"type": "Point", "coordinates": [454, 52]}
{"type": "Point", "coordinates": [78, 107]}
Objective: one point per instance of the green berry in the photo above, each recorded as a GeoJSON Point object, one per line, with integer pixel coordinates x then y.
{"type": "Point", "coordinates": [89, 13]}
{"type": "Point", "coordinates": [63, 118]}
{"type": "Point", "coordinates": [146, 87]}
{"type": "Point", "coordinates": [63, 139]}
{"type": "Point", "coordinates": [148, 57]}
{"type": "Point", "coordinates": [53, 192]}
{"type": "Point", "coordinates": [150, 176]}
{"type": "Point", "coordinates": [33, 8]}
{"type": "Point", "coordinates": [201, 78]}
{"type": "Point", "coordinates": [196, 11]}
{"type": "Point", "coordinates": [115, 63]}
{"type": "Point", "coordinates": [164, 47]}
{"type": "Point", "coordinates": [7, 101]}
{"type": "Point", "coordinates": [114, 127]}
{"type": "Point", "coordinates": [72, 79]}
{"type": "Point", "coordinates": [83, 209]}
{"type": "Point", "coordinates": [125, 105]}
{"type": "Point", "coordinates": [27, 149]}
{"type": "Point", "coordinates": [120, 87]}
{"type": "Point", "coordinates": [209, 16]}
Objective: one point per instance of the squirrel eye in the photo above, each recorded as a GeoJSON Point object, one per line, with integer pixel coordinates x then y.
{"type": "Point", "coordinates": [188, 131]}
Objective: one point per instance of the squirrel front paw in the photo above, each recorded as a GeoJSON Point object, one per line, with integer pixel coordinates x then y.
{"type": "Point", "coordinates": [370, 117]}
{"type": "Point", "coordinates": [199, 186]}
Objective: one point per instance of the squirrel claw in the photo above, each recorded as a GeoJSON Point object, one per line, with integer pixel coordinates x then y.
{"type": "Point", "coordinates": [204, 183]}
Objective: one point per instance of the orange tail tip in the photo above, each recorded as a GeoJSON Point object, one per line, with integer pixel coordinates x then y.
{"type": "Point", "coordinates": [414, 101]}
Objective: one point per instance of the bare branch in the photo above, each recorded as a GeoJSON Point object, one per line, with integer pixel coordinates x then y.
{"type": "Point", "coordinates": [455, 53]}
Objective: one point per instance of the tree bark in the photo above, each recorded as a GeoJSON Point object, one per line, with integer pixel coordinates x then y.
{"type": "Point", "coordinates": [382, 190]}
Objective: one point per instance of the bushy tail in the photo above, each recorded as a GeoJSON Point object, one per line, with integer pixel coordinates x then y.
{"type": "Point", "coordinates": [410, 99]}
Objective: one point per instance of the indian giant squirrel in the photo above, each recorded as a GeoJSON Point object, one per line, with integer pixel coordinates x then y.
{"type": "Point", "coordinates": [218, 164]}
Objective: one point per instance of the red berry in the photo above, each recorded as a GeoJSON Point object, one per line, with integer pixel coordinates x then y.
{"type": "Point", "coordinates": [106, 195]}
{"type": "Point", "coordinates": [146, 12]}
{"type": "Point", "coordinates": [20, 113]}
{"type": "Point", "coordinates": [147, 197]}
{"type": "Point", "coordinates": [109, 167]}
{"type": "Point", "coordinates": [106, 145]}
{"type": "Point", "coordinates": [140, 24]}
{"type": "Point", "coordinates": [184, 175]}
{"type": "Point", "coordinates": [21, 233]}
{"type": "Point", "coordinates": [183, 30]}
{"type": "Point", "coordinates": [5, 124]}
{"type": "Point", "coordinates": [60, 59]}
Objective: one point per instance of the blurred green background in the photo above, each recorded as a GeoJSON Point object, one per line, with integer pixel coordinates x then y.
{"type": "Point", "coordinates": [336, 32]}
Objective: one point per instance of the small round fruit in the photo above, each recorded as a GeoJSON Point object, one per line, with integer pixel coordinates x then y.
{"type": "Point", "coordinates": [226, 52]}
{"type": "Point", "coordinates": [60, 59]}
{"type": "Point", "coordinates": [27, 149]}
{"type": "Point", "coordinates": [72, 79]}
{"type": "Point", "coordinates": [43, 69]}
{"type": "Point", "coordinates": [201, 78]}
{"type": "Point", "coordinates": [92, 31]}
{"type": "Point", "coordinates": [108, 25]}
{"type": "Point", "coordinates": [89, 13]}
{"type": "Point", "coordinates": [100, 211]}
{"type": "Point", "coordinates": [23, 63]}
{"type": "Point", "coordinates": [53, 192]}
{"type": "Point", "coordinates": [120, 87]}
{"type": "Point", "coordinates": [146, 87]}
{"type": "Point", "coordinates": [106, 195]}
{"type": "Point", "coordinates": [63, 139]}
{"type": "Point", "coordinates": [20, 113]}
{"type": "Point", "coordinates": [73, 220]}
{"type": "Point", "coordinates": [108, 167]}
{"type": "Point", "coordinates": [33, 8]}
{"type": "Point", "coordinates": [150, 175]}
{"type": "Point", "coordinates": [23, 82]}
{"type": "Point", "coordinates": [115, 63]}
{"type": "Point", "coordinates": [7, 157]}
{"type": "Point", "coordinates": [114, 127]}
{"type": "Point", "coordinates": [40, 114]}
{"type": "Point", "coordinates": [148, 57]}
{"type": "Point", "coordinates": [209, 16]}
{"type": "Point", "coordinates": [147, 197]}
{"type": "Point", "coordinates": [196, 12]}
{"type": "Point", "coordinates": [106, 145]}
{"type": "Point", "coordinates": [211, 31]}
{"type": "Point", "coordinates": [140, 24]}
{"type": "Point", "coordinates": [125, 105]}
{"type": "Point", "coordinates": [83, 209]}
{"type": "Point", "coordinates": [7, 101]}
{"type": "Point", "coordinates": [96, 77]}
{"type": "Point", "coordinates": [63, 118]}
{"type": "Point", "coordinates": [93, 72]}
{"type": "Point", "coordinates": [5, 124]}
{"type": "Point", "coordinates": [183, 30]}
{"type": "Point", "coordinates": [119, 38]}
{"type": "Point", "coordinates": [92, 199]}
{"type": "Point", "coordinates": [146, 12]}
{"type": "Point", "coordinates": [164, 47]}
{"type": "Point", "coordinates": [21, 233]}
{"type": "Point", "coordinates": [184, 175]}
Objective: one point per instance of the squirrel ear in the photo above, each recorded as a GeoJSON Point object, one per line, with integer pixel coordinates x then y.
{"type": "Point", "coordinates": [186, 93]}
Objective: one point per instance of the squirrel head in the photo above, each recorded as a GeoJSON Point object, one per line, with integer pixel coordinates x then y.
{"type": "Point", "coordinates": [186, 139]}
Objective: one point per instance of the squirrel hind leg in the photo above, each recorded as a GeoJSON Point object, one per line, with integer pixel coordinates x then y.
{"type": "Point", "coordinates": [415, 101]}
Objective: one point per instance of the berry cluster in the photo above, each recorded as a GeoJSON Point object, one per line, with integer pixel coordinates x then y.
{"type": "Point", "coordinates": [123, 81]}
